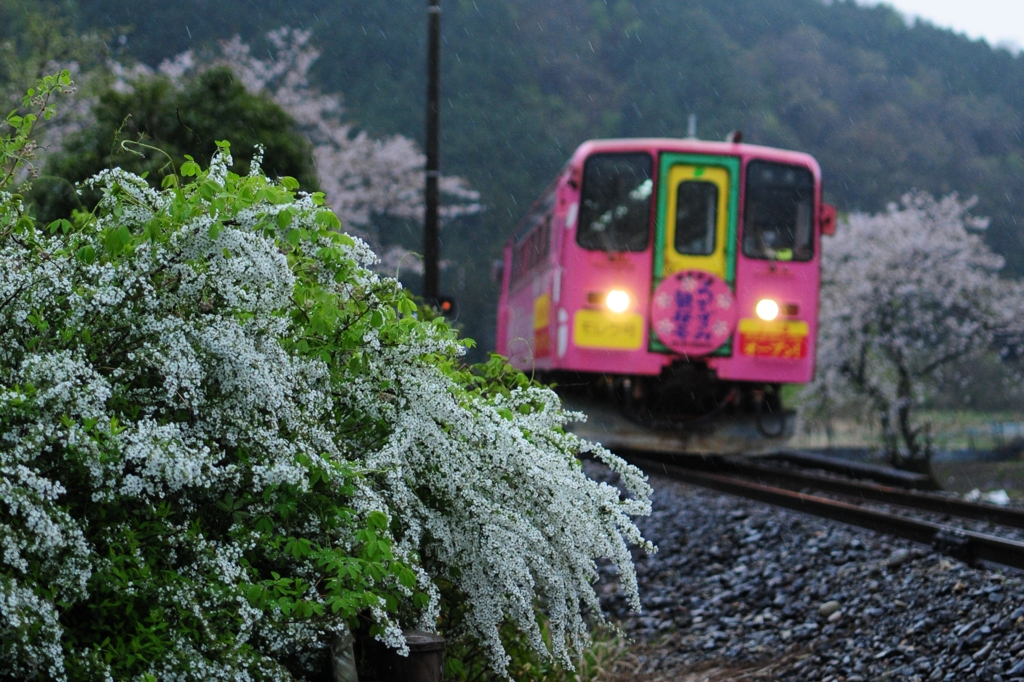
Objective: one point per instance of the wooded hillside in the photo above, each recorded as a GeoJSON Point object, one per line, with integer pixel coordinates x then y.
{"type": "Point", "coordinates": [884, 106]}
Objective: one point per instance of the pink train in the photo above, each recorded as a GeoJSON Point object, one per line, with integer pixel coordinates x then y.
{"type": "Point", "coordinates": [676, 279]}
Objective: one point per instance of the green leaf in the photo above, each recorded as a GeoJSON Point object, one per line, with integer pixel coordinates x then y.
{"type": "Point", "coordinates": [112, 243]}
{"type": "Point", "coordinates": [209, 189]}
{"type": "Point", "coordinates": [290, 183]}
{"type": "Point", "coordinates": [327, 219]}
{"type": "Point", "coordinates": [406, 307]}
{"type": "Point", "coordinates": [406, 577]}
{"type": "Point", "coordinates": [377, 520]}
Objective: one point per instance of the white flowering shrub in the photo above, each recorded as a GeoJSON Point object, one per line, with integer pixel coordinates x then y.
{"type": "Point", "coordinates": [905, 294]}
{"type": "Point", "coordinates": [223, 439]}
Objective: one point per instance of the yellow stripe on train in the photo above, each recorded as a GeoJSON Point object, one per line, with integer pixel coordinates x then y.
{"type": "Point", "coordinates": [541, 311]}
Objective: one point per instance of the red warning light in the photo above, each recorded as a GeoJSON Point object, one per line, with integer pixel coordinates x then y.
{"type": "Point", "coordinates": [446, 305]}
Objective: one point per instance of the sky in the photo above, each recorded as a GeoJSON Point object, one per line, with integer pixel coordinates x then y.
{"type": "Point", "coordinates": [996, 21]}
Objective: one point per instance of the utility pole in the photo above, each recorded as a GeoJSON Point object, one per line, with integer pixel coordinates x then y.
{"type": "Point", "coordinates": [431, 237]}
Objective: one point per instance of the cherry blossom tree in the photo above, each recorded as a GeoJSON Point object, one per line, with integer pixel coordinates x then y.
{"type": "Point", "coordinates": [906, 294]}
{"type": "Point", "coordinates": [361, 176]}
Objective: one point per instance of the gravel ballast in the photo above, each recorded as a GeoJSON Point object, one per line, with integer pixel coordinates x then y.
{"type": "Point", "coordinates": [768, 593]}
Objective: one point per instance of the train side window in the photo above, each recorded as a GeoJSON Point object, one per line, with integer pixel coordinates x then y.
{"type": "Point", "coordinates": [777, 214]}
{"type": "Point", "coordinates": [532, 244]}
{"type": "Point", "coordinates": [696, 218]}
{"type": "Point", "coordinates": [615, 202]}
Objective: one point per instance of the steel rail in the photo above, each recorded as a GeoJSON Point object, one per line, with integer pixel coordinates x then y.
{"type": "Point", "coordinates": [860, 470]}
{"type": "Point", "coordinates": [874, 492]}
{"type": "Point", "coordinates": [965, 545]}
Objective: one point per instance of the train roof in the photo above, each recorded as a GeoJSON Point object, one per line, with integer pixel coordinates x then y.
{"type": "Point", "coordinates": [693, 146]}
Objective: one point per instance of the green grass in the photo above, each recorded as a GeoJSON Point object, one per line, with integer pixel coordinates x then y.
{"type": "Point", "coordinates": [950, 429]}
{"type": "Point", "coordinates": [962, 477]}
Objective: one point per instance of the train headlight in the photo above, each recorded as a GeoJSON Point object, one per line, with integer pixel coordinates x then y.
{"type": "Point", "coordinates": [617, 301]}
{"type": "Point", "coordinates": [767, 309]}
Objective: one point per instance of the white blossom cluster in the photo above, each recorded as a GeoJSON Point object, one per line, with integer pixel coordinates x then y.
{"type": "Point", "coordinates": [497, 504]}
{"type": "Point", "coordinates": [231, 386]}
{"type": "Point", "coordinates": [165, 380]}
{"type": "Point", "coordinates": [905, 293]}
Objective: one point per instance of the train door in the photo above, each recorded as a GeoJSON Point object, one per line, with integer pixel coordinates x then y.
{"type": "Point", "coordinates": [696, 225]}
{"type": "Point", "coordinates": [696, 219]}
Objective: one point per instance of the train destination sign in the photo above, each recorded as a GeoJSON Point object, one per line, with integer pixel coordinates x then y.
{"type": "Point", "coordinates": [693, 312]}
{"type": "Point", "coordinates": [776, 339]}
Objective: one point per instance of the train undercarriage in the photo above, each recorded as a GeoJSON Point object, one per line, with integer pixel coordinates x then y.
{"type": "Point", "coordinates": [686, 409]}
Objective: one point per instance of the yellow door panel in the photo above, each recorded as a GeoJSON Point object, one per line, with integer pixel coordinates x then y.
{"type": "Point", "coordinates": [700, 222]}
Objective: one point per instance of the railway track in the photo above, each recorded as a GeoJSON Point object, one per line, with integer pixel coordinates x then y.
{"type": "Point", "coordinates": [782, 487]}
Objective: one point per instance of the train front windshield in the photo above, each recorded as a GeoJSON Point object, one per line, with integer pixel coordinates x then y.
{"type": "Point", "coordinates": [615, 202]}
{"type": "Point", "coordinates": [777, 215]}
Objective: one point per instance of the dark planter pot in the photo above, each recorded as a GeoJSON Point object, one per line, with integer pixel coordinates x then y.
{"type": "Point", "coordinates": [424, 663]}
